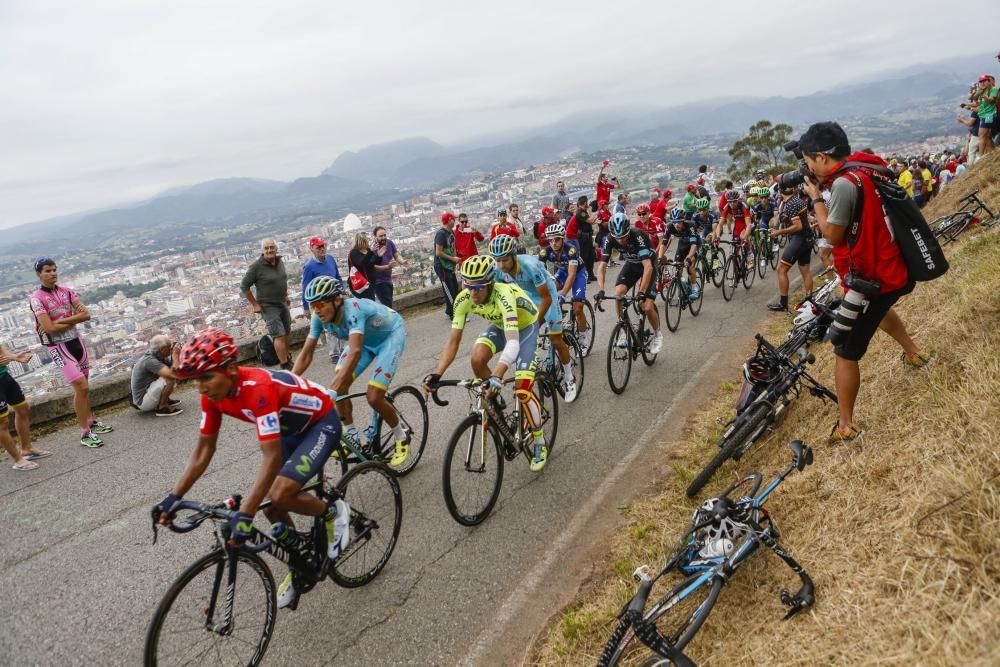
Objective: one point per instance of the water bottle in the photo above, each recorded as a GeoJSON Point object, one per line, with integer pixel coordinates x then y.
{"type": "Point", "coordinates": [283, 536]}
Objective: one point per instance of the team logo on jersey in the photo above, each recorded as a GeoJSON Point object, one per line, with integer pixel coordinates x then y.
{"type": "Point", "coordinates": [376, 322]}
{"type": "Point", "coordinates": [248, 413]}
{"type": "Point", "coordinates": [305, 401]}
{"type": "Point", "coordinates": [204, 419]}
{"type": "Point", "coordinates": [268, 424]}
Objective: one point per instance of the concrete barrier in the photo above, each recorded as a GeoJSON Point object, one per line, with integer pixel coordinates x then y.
{"type": "Point", "coordinates": [109, 391]}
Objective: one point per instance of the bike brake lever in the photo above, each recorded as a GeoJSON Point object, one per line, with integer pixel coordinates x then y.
{"type": "Point", "coordinates": [155, 515]}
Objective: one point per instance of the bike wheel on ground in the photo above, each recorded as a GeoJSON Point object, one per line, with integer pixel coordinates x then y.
{"type": "Point", "coordinates": [733, 444]}
{"type": "Point", "coordinates": [672, 305]}
{"type": "Point", "coordinates": [372, 492]}
{"type": "Point", "coordinates": [718, 259]}
{"type": "Point", "coordinates": [576, 356]}
{"type": "Point", "coordinates": [473, 471]}
{"type": "Point", "coordinates": [585, 339]}
{"type": "Point", "coordinates": [619, 362]}
{"type": "Point", "coordinates": [694, 305]}
{"type": "Point", "coordinates": [730, 277]}
{"type": "Point", "coordinates": [178, 635]}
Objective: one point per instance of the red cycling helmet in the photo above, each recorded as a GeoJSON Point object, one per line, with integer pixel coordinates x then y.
{"type": "Point", "coordinates": [642, 209]}
{"type": "Point", "coordinates": [207, 350]}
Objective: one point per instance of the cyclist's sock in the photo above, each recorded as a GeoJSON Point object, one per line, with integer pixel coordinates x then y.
{"type": "Point", "coordinates": [398, 431]}
{"type": "Point", "coordinates": [568, 372]}
{"type": "Point", "coordinates": [539, 436]}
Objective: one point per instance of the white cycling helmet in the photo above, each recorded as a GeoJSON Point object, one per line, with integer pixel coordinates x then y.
{"type": "Point", "coordinates": [721, 528]}
{"type": "Point", "coordinates": [805, 316]}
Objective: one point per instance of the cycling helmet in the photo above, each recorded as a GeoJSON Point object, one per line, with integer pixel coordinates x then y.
{"type": "Point", "coordinates": [701, 202]}
{"type": "Point", "coordinates": [806, 314]}
{"type": "Point", "coordinates": [555, 231]}
{"type": "Point", "coordinates": [746, 187]}
{"type": "Point", "coordinates": [676, 214]}
{"type": "Point", "coordinates": [619, 225]}
{"type": "Point", "coordinates": [759, 371]}
{"type": "Point", "coordinates": [733, 195]}
{"type": "Point", "coordinates": [501, 211]}
{"type": "Point", "coordinates": [721, 527]}
{"type": "Point", "coordinates": [208, 350]}
{"type": "Point", "coordinates": [642, 209]}
{"type": "Point", "coordinates": [322, 288]}
{"type": "Point", "coordinates": [479, 269]}
{"type": "Point", "coordinates": [503, 245]}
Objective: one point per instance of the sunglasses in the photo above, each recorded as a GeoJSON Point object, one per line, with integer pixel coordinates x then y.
{"type": "Point", "coordinates": [320, 247]}
{"type": "Point", "coordinates": [475, 288]}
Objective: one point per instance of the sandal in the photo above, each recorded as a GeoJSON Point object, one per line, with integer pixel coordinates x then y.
{"type": "Point", "coordinates": [918, 360]}
{"type": "Point", "coordinates": [27, 465]}
{"type": "Point", "coordinates": [848, 433]}
{"type": "Point", "coordinates": [37, 455]}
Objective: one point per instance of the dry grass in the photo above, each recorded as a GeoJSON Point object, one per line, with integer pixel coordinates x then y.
{"type": "Point", "coordinates": [901, 533]}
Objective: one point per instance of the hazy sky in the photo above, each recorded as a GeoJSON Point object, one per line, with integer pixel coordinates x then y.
{"type": "Point", "coordinates": [106, 101]}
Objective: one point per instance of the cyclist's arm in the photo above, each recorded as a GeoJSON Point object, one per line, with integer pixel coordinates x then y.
{"type": "Point", "coordinates": [546, 302]}
{"type": "Point", "coordinates": [449, 351]}
{"type": "Point", "coordinates": [305, 356]}
{"type": "Point", "coordinates": [570, 278]}
{"type": "Point", "coordinates": [345, 372]}
{"type": "Point", "coordinates": [199, 460]}
{"type": "Point", "coordinates": [602, 269]}
{"type": "Point", "coordinates": [269, 469]}
{"type": "Point", "coordinates": [511, 349]}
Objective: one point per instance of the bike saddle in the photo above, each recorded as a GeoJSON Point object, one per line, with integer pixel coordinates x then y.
{"type": "Point", "coordinates": [802, 454]}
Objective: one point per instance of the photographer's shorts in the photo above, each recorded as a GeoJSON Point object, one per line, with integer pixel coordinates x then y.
{"type": "Point", "coordinates": [277, 319]}
{"type": "Point", "coordinates": [867, 324]}
{"type": "Point", "coordinates": [798, 251]}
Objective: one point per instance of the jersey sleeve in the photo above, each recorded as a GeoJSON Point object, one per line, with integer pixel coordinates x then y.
{"type": "Point", "coordinates": [572, 256]}
{"type": "Point", "coordinates": [461, 308]}
{"type": "Point", "coordinates": [211, 418]}
{"type": "Point", "coordinates": [37, 307]}
{"type": "Point", "coordinates": [355, 320]}
{"type": "Point", "coordinates": [315, 327]}
{"type": "Point", "coordinates": [507, 304]}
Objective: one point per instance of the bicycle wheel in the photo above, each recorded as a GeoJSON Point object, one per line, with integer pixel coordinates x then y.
{"type": "Point", "coordinates": [473, 471]}
{"type": "Point", "coordinates": [584, 338]}
{"type": "Point", "coordinates": [943, 224]}
{"type": "Point", "coordinates": [762, 255]}
{"type": "Point", "coordinates": [672, 305]}
{"type": "Point", "coordinates": [645, 337]}
{"type": "Point", "coordinates": [372, 492]}
{"type": "Point", "coordinates": [775, 255]}
{"type": "Point", "coordinates": [411, 408]}
{"type": "Point", "coordinates": [733, 444]}
{"type": "Point", "coordinates": [664, 280]}
{"type": "Point", "coordinates": [545, 392]}
{"type": "Point", "coordinates": [718, 260]}
{"type": "Point", "coordinates": [730, 277]}
{"type": "Point", "coordinates": [694, 305]}
{"type": "Point", "coordinates": [576, 359]}
{"type": "Point", "coordinates": [749, 272]}
{"type": "Point", "coordinates": [620, 357]}
{"type": "Point", "coordinates": [181, 630]}
{"type": "Point", "coordinates": [960, 225]}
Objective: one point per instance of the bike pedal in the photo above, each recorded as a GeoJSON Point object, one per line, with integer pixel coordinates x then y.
{"type": "Point", "coordinates": [641, 574]}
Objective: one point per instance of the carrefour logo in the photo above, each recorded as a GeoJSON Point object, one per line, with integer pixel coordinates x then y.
{"type": "Point", "coordinates": [268, 424]}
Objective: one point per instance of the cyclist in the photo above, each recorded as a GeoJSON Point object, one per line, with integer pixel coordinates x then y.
{"type": "Point", "coordinates": [704, 218]}
{"type": "Point", "coordinates": [530, 275]}
{"type": "Point", "coordinates": [571, 276]}
{"type": "Point", "coordinates": [372, 333]}
{"type": "Point", "coordinates": [640, 266]}
{"type": "Point", "coordinates": [512, 331]}
{"type": "Point", "coordinates": [688, 241]}
{"type": "Point", "coordinates": [793, 221]}
{"type": "Point", "coordinates": [297, 428]}
{"type": "Point", "coordinates": [735, 212]}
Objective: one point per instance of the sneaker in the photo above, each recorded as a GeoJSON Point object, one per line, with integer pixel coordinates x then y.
{"type": "Point", "coordinates": [569, 389]}
{"type": "Point", "coordinates": [168, 411]}
{"type": "Point", "coordinates": [402, 451]}
{"type": "Point", "coordinates": [777, 307]}
{"type": "Point", "coordinates": [656, 344]}
{"type": "Point", "coordinates": [338, 533]}
{"type": "Point", "coordinates": [174, 401]}
{"type": "Point", "coordinates": [844, 434]}
{"type": "Point", "coordinates": [287, 595]}
{"type": "Point", "coordinates": [100, 428]}
{"type": "Point", "coordinates": [541, 456]}
{"type": "Point", "coordinates": [91, 440]}
{"type": "Point", "coordinates": [695, 294]}
{"type": "Point", "coordinates": [918, 360]}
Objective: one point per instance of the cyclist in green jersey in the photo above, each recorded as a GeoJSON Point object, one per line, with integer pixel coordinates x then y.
{"type": "Point", "coordinates": [512, 331]}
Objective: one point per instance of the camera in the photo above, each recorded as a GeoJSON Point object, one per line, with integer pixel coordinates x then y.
{"type": "Point", "coordinates": [855, 301]}
{"type": "Point", "coordinates": [794, 179]}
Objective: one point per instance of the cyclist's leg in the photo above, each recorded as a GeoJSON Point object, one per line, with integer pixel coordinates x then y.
{"type": "Point", "coordinates": [524, 379]}
{"type": "Point", "coordinates": [386, 358]}
{"type": "Point", "coordinates": [486, 346]}
{"type": "Point", "coordinates": [344, 407]}
{"type": "Point", "coordinates": [627, 277]}
{"type": "Point", "coordinates": [579, 295]}
{"type": "Point", "coordinates": [553, 320]}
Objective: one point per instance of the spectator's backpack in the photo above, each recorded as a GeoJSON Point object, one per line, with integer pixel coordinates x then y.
{"type": "Point", "coordinates": [265, 351]}
{"type": "Point", "coordinates": [921, 252]}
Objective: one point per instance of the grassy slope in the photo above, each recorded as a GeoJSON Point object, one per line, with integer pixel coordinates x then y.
{"type": "Point", "coordinates": [901, 533]}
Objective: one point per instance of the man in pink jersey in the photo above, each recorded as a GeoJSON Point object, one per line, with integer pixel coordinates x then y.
{"type": "Point", "coordinates": [57, 311]}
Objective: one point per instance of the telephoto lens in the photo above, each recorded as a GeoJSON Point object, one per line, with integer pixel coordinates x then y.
{"type": "Point", "coordinates": [853, 304]}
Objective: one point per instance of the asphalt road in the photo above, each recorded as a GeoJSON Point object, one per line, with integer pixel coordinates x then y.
{"type": "Point", "coordinates": [80, 577]}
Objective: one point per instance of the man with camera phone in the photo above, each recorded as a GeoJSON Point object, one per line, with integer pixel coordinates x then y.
{"type": "Point", "coordinates": [865, 255]}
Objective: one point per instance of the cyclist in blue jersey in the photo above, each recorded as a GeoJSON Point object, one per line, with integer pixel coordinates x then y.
{"type": "Point", "coordinates": [530, 275]}
{"type": "Point", "coordinates": [373, 333]}
{"type": "Point", "coordinates": [571, 275]}
{"type": "Point", "coordinates": [704, 219]}
{"type": "Point", "coordinates": [688, 241]}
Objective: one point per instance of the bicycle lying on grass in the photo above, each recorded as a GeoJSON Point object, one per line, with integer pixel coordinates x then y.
{"type": "Point", "coordinates": [725, 532]}
{"type": "Point", "coordinates": [969, 213]}
{"type": "Point", "coordinates": [209, 615]}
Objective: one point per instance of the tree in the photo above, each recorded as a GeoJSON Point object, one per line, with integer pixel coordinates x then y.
{"type": "Point", "coordinates": [761, 148]}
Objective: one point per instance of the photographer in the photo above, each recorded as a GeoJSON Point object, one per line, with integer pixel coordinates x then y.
{"type": "Point", "coordinates": [153, 378]}
{"type": "Point", "coordinates": [865, 255]}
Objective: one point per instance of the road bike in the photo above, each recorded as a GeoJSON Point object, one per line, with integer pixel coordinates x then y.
{"type": "Point", "coordinates": [739, 268]}
{"type": "Point", "coordinates": [772, 379]}
{"type": "Point", "coordinates": [486, 437]}
{"type": "Point", "coordinates": [628, 341]}
{"type": "Point", "coordinates": [678, 294]}
{"type": "Point", "coordinates": [725, 533]}
{"type": "Point", "coordinates": [222, 608]}
{"type": "Point", "coordinates": [711, 260]}
{"type": "Point", "coordinates": [765, 249]}
{"type": "Point", "coordinates": [378, 443]}
{"type": "Point", "coordinates": [584, 338]}
{"type": "Point", "coordinates": [968, 213]}
{"type": "Point", "coordinates": [547, 362]}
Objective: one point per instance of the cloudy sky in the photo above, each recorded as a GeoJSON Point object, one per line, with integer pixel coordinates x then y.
{"type": "Point", "coordinates": [109, 101]}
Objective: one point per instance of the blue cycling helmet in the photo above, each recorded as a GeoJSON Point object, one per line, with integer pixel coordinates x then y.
{"type": "Point", "coordinates": [503, 245]}
{"type": "Point", "coordinates": [676, 214]}
{"type": "Point", "coordinates": [619, 225]}
{"type": "Point", "coordinates": [323, 288]}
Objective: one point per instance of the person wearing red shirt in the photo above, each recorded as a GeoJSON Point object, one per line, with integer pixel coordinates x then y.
{"type": "Point", "coordinates": [549, 216]}
{"type": "Point", "coordinates": [503, 226]}
{"type": "Point", "coordinates": [466, 237]}
{"type": "Point", "coordinates": [652, 225]}
{"type": "Point", "coordinates": [659, 206]}
{"type": "Point", "coordinates": [735, 212]}
{"type": "Point", "coordinates": [297, 429]}
{"type": "Point", "coordinates": [873, 256]}
{"type": "Point", "coordinates": [604, 187]}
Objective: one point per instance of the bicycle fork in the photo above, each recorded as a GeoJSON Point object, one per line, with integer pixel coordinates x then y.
{"type": "Point", "coordinates": [229, 568]}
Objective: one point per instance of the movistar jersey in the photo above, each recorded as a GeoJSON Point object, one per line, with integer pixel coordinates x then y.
{"type": "Point", "coordinates": [508, 307]}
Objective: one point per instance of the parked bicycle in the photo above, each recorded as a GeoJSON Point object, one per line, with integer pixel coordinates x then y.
{"type": "Point", "coordinates": [378, 444]}
{"type": "Point", "coordinates": [725, 533]}
{"type": "Point", "coordinates": [677, 295]}
{"type": "Point", "coordinates": [488, 435]}
{"type": "Point", "coordinates": [739, 268]}
{"type": "Point", "coordinates": [224, 605]}
{"type": "Point", "coordinates": [628, 341]}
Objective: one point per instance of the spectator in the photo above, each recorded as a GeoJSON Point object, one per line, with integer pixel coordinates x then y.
{"type": "Point", "coordinates": [549, 216]}
{"type": "Point", "coordinates": [660, 205]}
{"type": "Point", "coordinates": [561, 201]}
{"type": "Point", "coordinates": [12, 398]}
{"type": "Point", "coordinates": [985, 105]}
{"type": "Point", "coordinates": [388, 257]}
{"type": "Point", "coordinates": [466, 237]}
{"type": "Point", "coordinates": [793, 223]}
{"type": "Point", "coordinates": [361, 263]}
{"type": "Point", "coordinates": [582, 230]}
{"type": "Point", "coordinates": [688, 202]}
{"type": "Point", "coordinates": [603, 216]}
{"type": "Point", "coordinates": [928, 178]}
{"type": "Point", "coordinates": [972, 122]}
{"type": "Point", "coordinates": [57, 311]}
{"type": "Point", "coordinates": [504, 226]}
{"type": "Point", "coordinates": [605, 186]}
{"type": "Point", "coordinates": [445, 260]}
{"type": "Point", "coordinates": [269, 297]}
{"type": "Point", "coordinates": [918, 185]}
{"type": "Point", "coordinates": [153, 378]}
{"type": "Point", "coordinates": [515, 217]}
{"type": "Point", "coordinates": [320, 264]}
{"type": "Point", "coordinates": [905, 181]}
{"type": "Point", "coordinates": [621, 205]}
{"type": "Point", "coordinates": [873, 256]}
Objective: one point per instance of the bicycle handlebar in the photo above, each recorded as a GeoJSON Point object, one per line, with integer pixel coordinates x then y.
{"type": "Point", "coordinates": [220, 511]}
